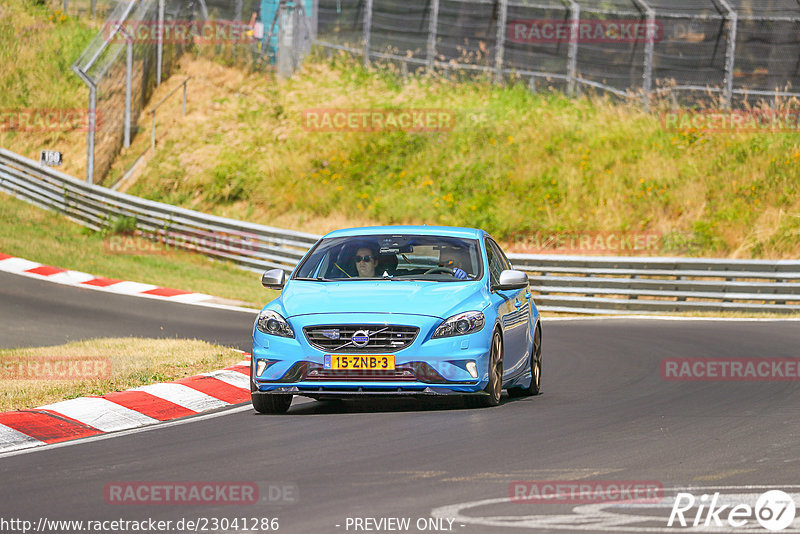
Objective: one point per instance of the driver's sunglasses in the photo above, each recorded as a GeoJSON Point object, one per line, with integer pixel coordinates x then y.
{"type": "Point", "coordinates": [359, 259]}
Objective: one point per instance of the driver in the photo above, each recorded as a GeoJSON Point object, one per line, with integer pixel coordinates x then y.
{"type": "Point", "coordinates": [366, 260]}
{"type": "Point", "coordinates": [456, 259]}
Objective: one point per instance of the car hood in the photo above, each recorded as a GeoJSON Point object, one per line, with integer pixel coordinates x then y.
{"type": "Point", "coordinates": [433, 299]}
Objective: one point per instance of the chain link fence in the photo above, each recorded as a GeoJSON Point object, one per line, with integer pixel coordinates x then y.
{"type": "Point", "coordinates": [86, 8]}
{"type": "Point", "coordinates": [736, 51]}
{"type": "Point", "coordinates": [137, 48]}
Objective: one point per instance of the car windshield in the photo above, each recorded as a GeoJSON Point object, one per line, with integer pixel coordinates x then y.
{"type": "Point", "coordinates": [393, 257]}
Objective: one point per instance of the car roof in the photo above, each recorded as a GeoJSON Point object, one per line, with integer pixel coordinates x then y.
{"type": "Point", "coordinates": [448, 231]}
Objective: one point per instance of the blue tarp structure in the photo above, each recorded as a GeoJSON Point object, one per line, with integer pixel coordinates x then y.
{"type": "Point", "coordinates": [268, 10]}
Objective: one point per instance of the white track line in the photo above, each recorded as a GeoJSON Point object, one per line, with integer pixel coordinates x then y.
{"type": "Point", "coordinates": [100, 437]}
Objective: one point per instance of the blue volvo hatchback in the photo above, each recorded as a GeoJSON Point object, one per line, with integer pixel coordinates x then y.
{"type": "Point", "coordinates": [395, 311]}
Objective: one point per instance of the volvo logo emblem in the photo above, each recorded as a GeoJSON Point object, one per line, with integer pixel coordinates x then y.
{"type": "Point", "coordinates": [360, 338]}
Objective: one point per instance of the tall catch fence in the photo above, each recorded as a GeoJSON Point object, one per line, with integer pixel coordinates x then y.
{"type": "Point", "coordinates": [735, 51]}
{"type": "Point", "coordinates": [86, 8]}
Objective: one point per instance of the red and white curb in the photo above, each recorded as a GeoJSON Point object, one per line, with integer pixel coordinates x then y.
{"type": "Point", "coordinates": [123, 410]}
{"type": "Point", "coordinates": [11, 264]}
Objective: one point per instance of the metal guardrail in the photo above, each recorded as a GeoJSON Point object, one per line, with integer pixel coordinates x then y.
{"type": "Point", "coordinates": [607, 285]}
{"type": "Point", "coordinates": [615, 285]}
{"type": "Point", "coordinates": [249, 245]}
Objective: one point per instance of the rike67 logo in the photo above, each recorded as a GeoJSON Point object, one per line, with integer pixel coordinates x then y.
{"type": "Point", "coordinates": [774, 510]}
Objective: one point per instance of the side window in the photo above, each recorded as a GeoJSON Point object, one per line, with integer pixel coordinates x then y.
{"type": "Point", "coordinates": [499, 252]}
{"type": "Point", "coordinates": [495, 262]}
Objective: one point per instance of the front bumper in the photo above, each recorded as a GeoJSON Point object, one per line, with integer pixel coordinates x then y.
{"type": "Point", "coordinates": [427, 367]}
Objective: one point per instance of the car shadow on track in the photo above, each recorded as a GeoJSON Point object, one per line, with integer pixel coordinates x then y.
{"type": "Point", "coordinates": [372, 405]}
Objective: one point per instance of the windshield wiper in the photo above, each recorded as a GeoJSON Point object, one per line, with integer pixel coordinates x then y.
{"type": "Point", "coordinates": [317, 279]}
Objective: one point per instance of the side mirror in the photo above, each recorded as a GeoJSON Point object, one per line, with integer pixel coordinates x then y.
{"type": "Point", "coordinates": [510, 279]}
{"type": "Point", "coordinates": [273, 279]}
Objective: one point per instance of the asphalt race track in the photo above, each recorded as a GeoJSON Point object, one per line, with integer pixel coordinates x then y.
{"type": "Point", "coordinates": [606, 413]}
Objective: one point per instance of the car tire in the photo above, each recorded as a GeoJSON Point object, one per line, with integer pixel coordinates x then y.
{"type": "Point", "coordinates": [494, 388]}
{"type": "Point", "coordinates": [271, 403]}
{"type": "Point", "coordinates": [536, 369]}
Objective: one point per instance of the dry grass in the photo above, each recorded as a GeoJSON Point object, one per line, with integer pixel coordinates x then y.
{"type": "Point", "coordinates": [38, 43]}
{"type": "Point", "coordinates": [132, 362]}
{"type": "Point", "coordinates": [516, 163]}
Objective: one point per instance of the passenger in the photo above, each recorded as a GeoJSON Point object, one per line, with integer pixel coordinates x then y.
{"type": "Point", "coordinates": [456, 259]}
{"type": "Point", "coordinates": [366, 260]}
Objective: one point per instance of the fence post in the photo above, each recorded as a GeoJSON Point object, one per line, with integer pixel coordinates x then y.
{"type": "Point", "coordinates": [94, 8]}
{"type": "Point", "coordinates": [502, 22]}
{"type": "Point", "coordinates": [432, 28]}
{"type": "Point", "coordinates": [572, 56]}
{"type": "Point", "coordinates": [92, 126]}
{"type": "Point", "coordinates": [730, 54]}
{"type": "Point", "coordinates": [314, 19]}
{"type": "Point", "coordinates": [160, 45]}
{"type": "Point", "coordinates": [367, 31]}
{"type": "Point", "coordinates": [91, 134]}
{"type": "Point", "coordinates": [647, 75]}
{"type": "Point", "coordinates": [128, 77]}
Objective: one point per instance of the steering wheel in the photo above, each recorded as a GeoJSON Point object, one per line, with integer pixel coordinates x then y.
{"type": "Point", "coordinates": [439, 269]}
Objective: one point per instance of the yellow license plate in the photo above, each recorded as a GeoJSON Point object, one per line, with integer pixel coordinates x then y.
{"type": "Point", "coordinates": [372, 362]}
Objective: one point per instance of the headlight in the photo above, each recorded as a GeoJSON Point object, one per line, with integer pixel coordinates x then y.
{"type": "Point", "coordinates": [272, 323]}
{"type": "Point", "coordinates": [461, 324]}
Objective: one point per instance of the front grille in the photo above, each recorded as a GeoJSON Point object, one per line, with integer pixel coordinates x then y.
{"type": "Point", "coordinates": [382, 338]}
{"type": "Point", "coordinates": [362, 375]}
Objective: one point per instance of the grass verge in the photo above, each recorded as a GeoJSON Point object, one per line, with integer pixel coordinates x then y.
{"type": "Point", "coordinates": [125, 363]}
{"type": "Point", "coordinates": [45, 237]}
{"type": "Point", "coordinates": [38, 44]}
{"type": "Point", "coordinates": [516, 163]}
